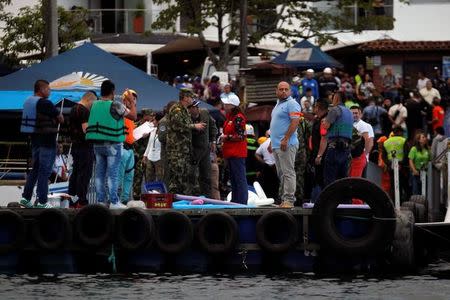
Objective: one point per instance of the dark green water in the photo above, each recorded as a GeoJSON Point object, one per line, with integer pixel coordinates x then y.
{"type": "Point", "coordinates": [430, 283]}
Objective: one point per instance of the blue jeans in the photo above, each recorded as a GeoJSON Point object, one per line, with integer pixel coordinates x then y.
{"type": "Point", "coordinates": [239, 187]}
{"type": "Point", "coordinates": [336, 164]}
{"type": "Point", "coordinates": [107, 163]}
{"type": "Point", "coordinates": [126, 174]}
{"type": "Point", "coordinates": [393, 95]}
{"type": "Point", "coordinates": [43, 160]}
{"type": "Point", "coordinates": [416, 184]}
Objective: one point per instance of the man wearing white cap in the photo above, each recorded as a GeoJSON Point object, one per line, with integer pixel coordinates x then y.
{"type": "Point", "coordinates": [296, 90]}
{"type": "Point", "coordinates": [310, 82]}
{"type": "Point", "coordinates": [327, 83]}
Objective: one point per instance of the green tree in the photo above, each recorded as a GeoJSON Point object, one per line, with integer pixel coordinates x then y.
{"type": "Point", "coordinates": [24, 31]}
{"type": "Point", "coordinates": [286, 20]}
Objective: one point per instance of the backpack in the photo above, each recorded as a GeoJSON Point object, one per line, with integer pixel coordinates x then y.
{"type": "Point", "coordinates": [357, 145]}
{"type": "Point", "coordinates": [373, 118]}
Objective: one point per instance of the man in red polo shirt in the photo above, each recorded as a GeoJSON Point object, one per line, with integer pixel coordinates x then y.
{"type": "Point", "coordinates": [438, 114]}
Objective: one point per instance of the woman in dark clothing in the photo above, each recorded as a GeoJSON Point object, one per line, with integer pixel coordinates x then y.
{"type": "Point", "coordinates": [234, 148]}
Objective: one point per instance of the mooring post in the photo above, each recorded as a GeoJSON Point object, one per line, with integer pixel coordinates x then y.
{"type": "Point", "coordinates": [396, 180]}
{"type": "Point", "coordinates": [447, 215]}
{"type": "Point", "coordinates": [423, 181]}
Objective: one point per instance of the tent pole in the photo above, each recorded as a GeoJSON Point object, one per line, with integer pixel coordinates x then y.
{"type": "Point", "coordinates": [149, 63]}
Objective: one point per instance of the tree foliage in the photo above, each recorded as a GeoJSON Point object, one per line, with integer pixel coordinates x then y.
{"type": "Point", "coordinates": [23, 33]}
{"type": "Point", "coordinates": [285, 20]}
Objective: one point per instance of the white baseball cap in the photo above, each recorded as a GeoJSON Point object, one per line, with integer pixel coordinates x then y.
{"type": "Point", "coordinates": [310, 71]}
{"type": "Point", "coordinates": [296, 79]}
{"type": "Point", "coordinates": [231, 99]}
{"type": "Point", "coordinates": [249, 130]}
{"type": "Point", "coordinates": [327, 71]}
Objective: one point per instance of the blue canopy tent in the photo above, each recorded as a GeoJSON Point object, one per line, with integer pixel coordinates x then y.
{"type": "Point", "coordinates": [306, 55]}
{"type": "Point", "coordinates": [84, 68]}
{"type": "Point", "coordinates": [13, 100]}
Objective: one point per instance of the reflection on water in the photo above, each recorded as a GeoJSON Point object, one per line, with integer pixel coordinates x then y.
{"type": "Point", "coordinates": [433, 282]}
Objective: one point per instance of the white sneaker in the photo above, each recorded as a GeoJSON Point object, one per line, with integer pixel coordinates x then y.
{"type": "Point", "coordinates": [45, 205]}
{"type": "Point", "coordinates": [118, 205]}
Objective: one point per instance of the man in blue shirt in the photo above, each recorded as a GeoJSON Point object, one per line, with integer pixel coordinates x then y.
{"type": "Point", "coordinates": [283, 133]}
{"type": "Point", "coordinates": [310, 82]}
{"type": "Point", "coordinates": [295, 89]}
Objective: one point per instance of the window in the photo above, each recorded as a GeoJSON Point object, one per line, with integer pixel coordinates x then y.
{"type": "Point", "coordinates": [361, 15]}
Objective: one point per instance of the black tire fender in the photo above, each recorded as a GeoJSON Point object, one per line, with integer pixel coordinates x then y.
{"type": "Point", "coordinates": [383, 221]}
{"type": "Point", "coordinates": [403, 244]}
{"type": "Point", "coordinates": [276, 231]}
{"type": "Point", "coordinates": [51, 229]}
{"type": "Point", "coordinates": [217, 233]}
{"type": "Point", "coordinates": [174, 232]}
{"type": "Point", "coordinates": [135, 229]}
{"type": "Point", "coordinates": [419, 199]}
{"type": "Point", "coordinates": [419, 210]}
{"type": "Point", "coordinates": [94, 225]}
{"type": "Point", "coordinates": [14, 224]}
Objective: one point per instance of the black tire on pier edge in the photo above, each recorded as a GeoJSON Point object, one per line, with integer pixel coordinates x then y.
{"type": "Point", "coordinates": [13, 205]}
{"type": "Point", "coordinates": [174, 232]}
{"type": "Point", "coordinates": [276, 231]}
{"type": "Point", "coordinates": [135, 229]}
{"type": "Point", "coordinates": [94, 225]}
{"type": "Point", "coordinates": [383, 222]}
{"type": "Point", "coordinates": [11, 225]}
{"type": "Point", "coordinates": [419, 199]}
{"type": "Point", "coordinates": [419, 211]}
{"type": "Point", "coordinates": [217, 233]}
{"type": "Point", "coordinates": [51, 229]}
{"type": "Point", "coordinates": [403, 244]}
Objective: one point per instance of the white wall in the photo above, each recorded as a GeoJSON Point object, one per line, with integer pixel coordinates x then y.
{"type": "Point", "coordinates": [414, 22]}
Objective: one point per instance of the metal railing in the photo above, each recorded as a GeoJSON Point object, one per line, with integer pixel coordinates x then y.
{"type": "Point", "coordinates": [121, 20]}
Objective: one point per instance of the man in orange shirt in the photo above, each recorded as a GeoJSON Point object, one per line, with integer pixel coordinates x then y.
{"type": "Point", "coordinates": [126, 171]}
{"type": "Point", "coordinates": [438, 114]}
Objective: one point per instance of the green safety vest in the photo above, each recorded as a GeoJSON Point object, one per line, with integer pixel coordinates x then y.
{"type": "Point", "coordinates": [395, 143]}
{"type": "Point", "coordinates": [102, 126]}
{"type": "Point", "coordinates": [251, 144]}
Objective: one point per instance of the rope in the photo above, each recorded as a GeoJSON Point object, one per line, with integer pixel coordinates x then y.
{"type": "Point", "coordinates": [384, 219]}
{"type": "Point", "coordinates": [367, 219]}
{"type": "Point", "coordinates": [112, 259]}
{"type": "Point", "coordinates": [435, 234]}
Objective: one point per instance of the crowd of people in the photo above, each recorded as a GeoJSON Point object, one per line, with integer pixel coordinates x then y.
{"type": "Point", "coordinates": [322, 129]}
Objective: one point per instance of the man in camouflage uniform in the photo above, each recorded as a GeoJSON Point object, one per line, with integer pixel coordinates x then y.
{"type": "Point", "coordinates": [203, 143]}
{"type": "Point", "coordinates": [301, 159]}
{"type": "Point", "coordinates": [139, 147]}
{"type": "Point", "coordinates": [179, 143]}
{"type": "Point", "coordinates": [162, 136]}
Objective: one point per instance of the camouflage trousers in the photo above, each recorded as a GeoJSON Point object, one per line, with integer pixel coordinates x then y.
{"type": "Point", "coordinates": [200, 177]}
{"type": "Point", "coordinates": [178, 167]}
{"type": "Point", "coordinates": [300, 171]}
{"type": "Point", "coordinates": [139, 172]}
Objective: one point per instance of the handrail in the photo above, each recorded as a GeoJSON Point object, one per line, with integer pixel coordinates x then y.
{"type": "Point", "coordinates": [120, 9]}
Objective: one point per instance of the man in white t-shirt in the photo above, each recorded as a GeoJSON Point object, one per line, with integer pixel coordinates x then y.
{"type": "Point", "coordinates": [267, 175]}
{"type": "Point", "coordinates": [397, 115]}
{"type": "Point", "coordinates": [429, 93]}
{"type": "Point", "coordinates": [422, 81]}
{"type": "Point", "coordinates": [366, 131]}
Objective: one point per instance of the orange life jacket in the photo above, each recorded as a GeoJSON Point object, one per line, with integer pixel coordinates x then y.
{"type": "Point", "coordinates": [129, 129]}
